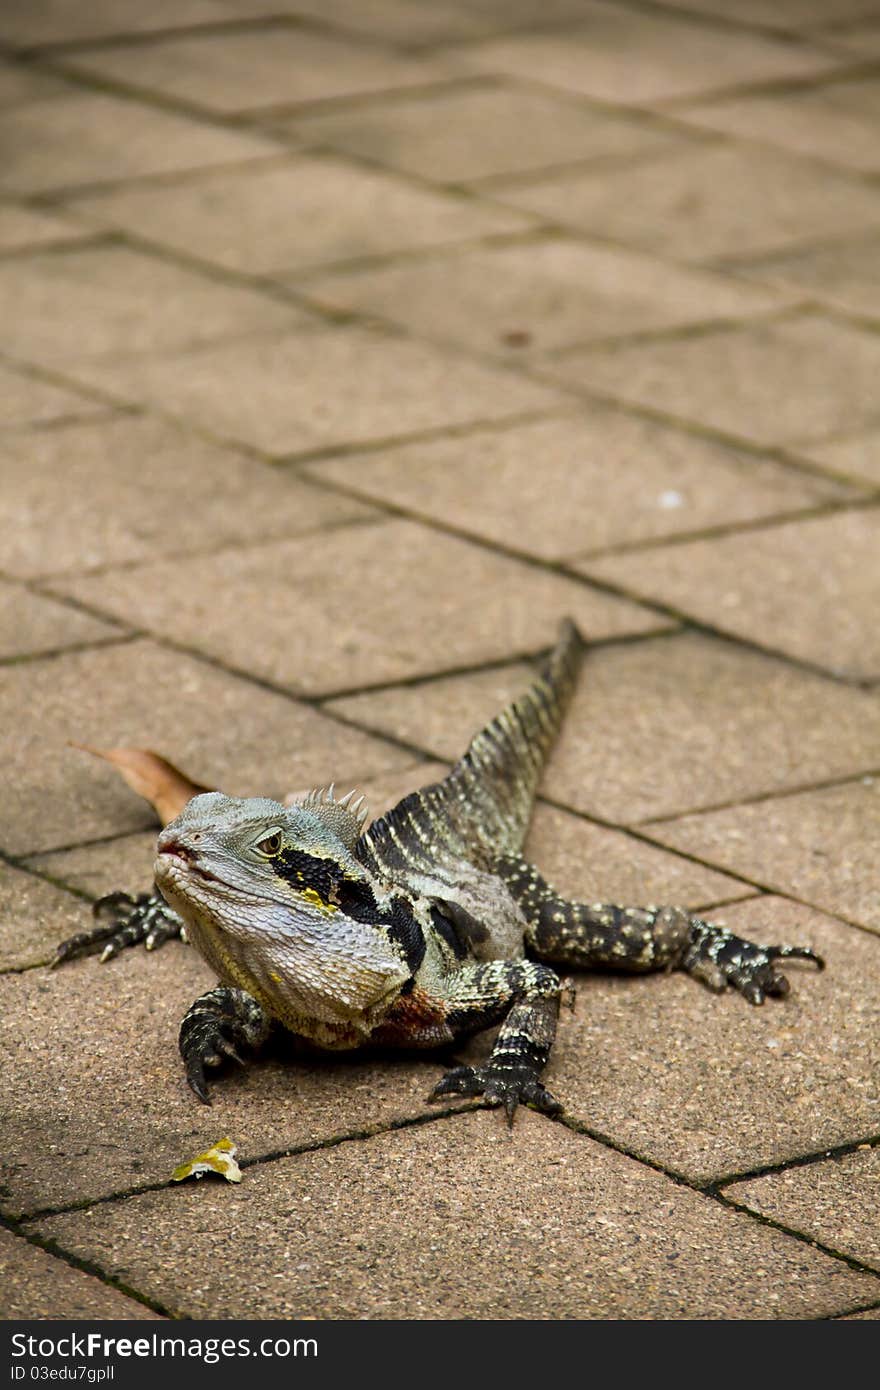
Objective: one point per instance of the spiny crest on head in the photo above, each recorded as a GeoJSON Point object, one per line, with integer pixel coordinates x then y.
{"type": "Point", "coordinates": [345, 818]}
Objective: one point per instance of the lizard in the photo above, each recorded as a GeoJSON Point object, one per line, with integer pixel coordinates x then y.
{"type": "Point", "coordinates": [416, 930]}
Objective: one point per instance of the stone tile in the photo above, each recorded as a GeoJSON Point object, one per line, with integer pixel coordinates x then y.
{"type": "Point", "coordinates": [62, 308]}
{"type": "Point", "coordinates": [399, 599]}
{"type": "Point", "coordinates": [29, 22]}
{"type": "Point", "coordinates": [318, 390]}
{"type": "Point", "coordinates": [295, 216]}
{"type": "Point", "coordinates": [119, 1115]}
{"type": "Point", "coordinates": [709, 1085]}
{"type": "Point", "coordinates": [834, 1202]}
{"type": "Point", "coordinates": [677, 722]}
{"type": "Point", "coordinates": [25, 400]}
{"type": "Point", "coordinates": [817, 845]}
{"type": "Point", "coordinates": [20, 84]}
{"type": "Point", "coordinates": [30, 624]}
{"type": "Point", "coordinates": [838, 121]}
{"type": "Point", "coordinates": [754, 586]}
{"type": "Point", "coordinates": [786, 14]}
{"type": "Point", "coordinates": [473, 1246]}
{"type": "Point", "coordinates": [21, 228]}
{"type": "Point", "coordinates": [855, 456]}
{"type": "Point", "coordinates": [34, 917]}
{"type": "Point", "coordinates": [539, 295]}
{"type": "Point", "coordinates": [594, 864]}
{"type": "Point", "coordinates": [218, 727]}
{"type": "Point", "coordinates": [605, 479]}
{"type": "Point", "coordinates": [400, 21]}
{"type": "Point", "coordinates": [706, 202]}
{"type": "Point", "coordinates": [125, 482]}
{"type": "Point", "coordinates": [247, 70]}
{"type": "Point", "coordinates": [635, 57]}
{"type": "Point", "coordinates": [770, 383]}
{"type": "Point", "coordinates": [479, 131]}
{"type": "Point", "coordinates": [90, 138]}
{"type": "Point", "coordinates": [34, 1284]}
{"type": "Point", "coordinates": [863, 40]}
{"type": "Point", "coordinates": [845, 275]}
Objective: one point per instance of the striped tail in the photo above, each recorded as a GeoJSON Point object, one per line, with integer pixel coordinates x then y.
{"type": "Point", "coordinates": [483, 807]}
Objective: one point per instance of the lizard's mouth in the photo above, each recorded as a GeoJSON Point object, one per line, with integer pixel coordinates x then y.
{"type": "Point", "coordinates": [175, 856]}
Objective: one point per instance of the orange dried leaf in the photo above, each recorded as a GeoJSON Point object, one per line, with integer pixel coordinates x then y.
{"type": "Point", "coordinates": [162, 784]}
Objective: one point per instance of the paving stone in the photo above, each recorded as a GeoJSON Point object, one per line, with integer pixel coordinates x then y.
{"type": "Point", "coordinates": [538, 295]}
{"type": "Point", "coordinates": [473, 1247]}
{"type": "Point", "coordinates": [247, 70]}
{"type": "Point", "coordinates": [857, 456]}
{"type": "Point", "coordinates": [864, 42]}
{"type": "Point", "coordinates": [140, 471]}
{"type": "Point", "coordinates": [318, 390]}
{"type": "Point", "coordinates": [480, 131]}
{"type": "Point", "coordinates": [295, 216]}
{"type": "Point", "coordinates": [771, 383]}
{"type": "Point", "coordinates": [21, 228]}
{"type": "Point", "coordinates": [677, 722]}
{"type": "Point", "coordinates": [634, 57]}
{"type": "Point", "coordinates": [34, 1284]}
{"type": "Point", "coordinates": [710, 1085]}
{"type": "Point", "coordinates": [57, 21]}
{"type": "Point", "coordinates": [25, 400]}
{"type": "Point", "coordinates": [216, 726]}
{"type": "Point", "coordinates": [833, 1202]}
{"type": "Point", "coordinates": [591, 863]}
{"type": "Point", "coordinates": [65, 307]}
{"type": "Point", "coordinates": [118, 1113]}
{"type": "Point", "coordinates": [705, 202]}
{"type": "Point", "coordinates": [818, 845]}
{"type": "Point", "coordinates": [838, 121]}
{"type": "Point", "coordinates": [605, 479]}
{"type": "Point", "coordinates": [91, 138]}
{"type": "Point", "coordinates": [398, 599]}
{"type": "Point", "coordinates": [30, 624]}
{"type": "Point", "coordinates": [786, 14]}
{"type": "Point", "coordinates": [845, 275]}
{"type": "Point", "coordinates": [20, 84]}
{"type": "Point", "coordinates": [754, 586]}
{"type": "Point", "coordinates": [34, 917]}
{"type": "Point", "coordinates": [403, 22]}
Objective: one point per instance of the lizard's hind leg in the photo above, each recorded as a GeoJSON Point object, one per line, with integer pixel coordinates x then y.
{"type": "Point", "coordinates": [586, 935]}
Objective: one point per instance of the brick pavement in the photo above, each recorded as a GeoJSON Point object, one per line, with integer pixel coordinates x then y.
{"type": "Point", "coordinates": [347, 345]}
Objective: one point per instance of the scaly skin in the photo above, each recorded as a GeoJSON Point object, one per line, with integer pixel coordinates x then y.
{"type": "Point", "coordinates": [420, 930]}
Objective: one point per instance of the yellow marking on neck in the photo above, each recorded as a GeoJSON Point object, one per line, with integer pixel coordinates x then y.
{"type": "Point", "coordinates": [276, 978]}
{"type": "Point", "coordinates": [312, 896]}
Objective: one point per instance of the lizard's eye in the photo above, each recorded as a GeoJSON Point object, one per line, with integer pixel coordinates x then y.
{"type": "Point", "coordinates": [270, 844]}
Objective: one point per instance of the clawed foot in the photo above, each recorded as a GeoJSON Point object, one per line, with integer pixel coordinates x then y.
{"type": "Point", "coordinates": [222, 1023]}
{"type": "Point", "coordinates": [123, 921]}
{"type": "Point", "coordinates": [719, 959]}
{"type": "Point", "coordinates": [507, 1086]}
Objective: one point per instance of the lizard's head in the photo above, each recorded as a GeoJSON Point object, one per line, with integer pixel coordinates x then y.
{"type": "Point", "coordinates": [276, 902]}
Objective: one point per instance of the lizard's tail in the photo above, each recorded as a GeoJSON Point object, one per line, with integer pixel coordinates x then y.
{"type": "Point", "coordinates": [506, 759]}
{"type": "Point", "coordinates": [483, 807]}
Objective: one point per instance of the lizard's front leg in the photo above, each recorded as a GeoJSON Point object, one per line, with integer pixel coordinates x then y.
{"type": "Point", "coordinates": [221, 1023]}
{"type": "Point", "coordinates": [526, 995]}
{"type": "Point", "coordinates": [124, 921]}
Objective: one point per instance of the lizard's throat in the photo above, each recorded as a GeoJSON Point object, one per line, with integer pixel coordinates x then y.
{"type": "Point", "coordinates": [309, 968]}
